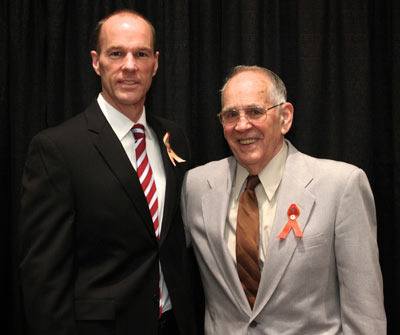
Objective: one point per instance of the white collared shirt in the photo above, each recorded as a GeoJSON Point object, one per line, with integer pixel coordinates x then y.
{"type": "Point", "coordinates": [266, 192]}
{"type": "Point", "coordinates": [122, 125]}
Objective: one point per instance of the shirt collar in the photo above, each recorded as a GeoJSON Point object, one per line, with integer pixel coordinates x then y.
{"type": "Point", "coordinates": [270, 176]}
{"type": "Point", "coordinates": [121, 124]}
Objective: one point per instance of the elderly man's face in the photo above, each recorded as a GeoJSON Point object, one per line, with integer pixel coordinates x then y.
{"type": "Point", "coordinates": [254, 143]}
{"type": "Point", "coordinates": [126, 62]}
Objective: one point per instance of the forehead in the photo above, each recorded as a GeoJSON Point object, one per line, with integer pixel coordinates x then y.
{"type": "Point", "coordinates": [126, 29]}
{"type": "Point", "coordinates": [246, 88]}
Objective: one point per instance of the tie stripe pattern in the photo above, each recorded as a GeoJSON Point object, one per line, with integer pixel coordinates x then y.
{"type": "Point", "coordinates": [247, 240]}
{"type": "Point", "coordinates": [145, 174]}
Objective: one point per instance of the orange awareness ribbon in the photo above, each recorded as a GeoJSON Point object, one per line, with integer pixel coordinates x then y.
{"type": "Point", "coordinates": [171, 154]}
{"type": "Point", "coordinates": [293, 213]}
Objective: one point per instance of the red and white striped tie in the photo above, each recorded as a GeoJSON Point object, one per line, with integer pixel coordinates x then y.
{"type": "Point", "coordinates": [145, 175]}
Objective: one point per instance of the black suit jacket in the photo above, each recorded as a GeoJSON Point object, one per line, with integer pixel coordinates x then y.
{"type": "Point", "coordinates": [89, 254]}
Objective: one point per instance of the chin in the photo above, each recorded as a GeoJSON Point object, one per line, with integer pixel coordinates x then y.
{"type": "Point", "coordinates": [248, 162]}
{"type": "Point", "coordinates": [126, 100]}
{"type": "Point", "coordinates": [250, 157]}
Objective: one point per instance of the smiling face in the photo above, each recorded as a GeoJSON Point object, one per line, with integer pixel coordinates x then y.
{"type": "Point", "coordinates": [126, 62]}
{"type": "Point", "coordinates": [255, 143]}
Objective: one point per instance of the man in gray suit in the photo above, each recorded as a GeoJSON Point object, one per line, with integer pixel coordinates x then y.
{"type": "Point", "coordinates": [316, 269]}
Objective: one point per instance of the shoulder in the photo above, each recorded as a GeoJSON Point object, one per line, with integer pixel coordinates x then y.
{"type": "Point", "coordinates": [65, 128]}
{"type": "Point", "coordinates": [319, 167]}
{"type": "Point", "coordinates": [201, 179]}
{"type": "Point", "coordinates": [176, 135]}
{"type": "Point", "coordinates": [327, 174]}
{"type": "Point", "coordinates": [215, 170]}
{"type": "Point", "coordinates": [72, 130]}
{"type": "Point", "coordinates": [62, 133]}
{"type": "Point", "coordinates": [162, 121]}
{"type": "Point", "coordinates": [160, 124]}
{"type": "Point", "coordinates": [71, 134]}
{"type": "Point", "coordinates": [328, 168]}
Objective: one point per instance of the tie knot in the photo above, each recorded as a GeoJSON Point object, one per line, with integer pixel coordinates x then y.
{"type": "Point", "coordinates": [252, 182]}
{"type": "Point", "coordinates": [138, 131]}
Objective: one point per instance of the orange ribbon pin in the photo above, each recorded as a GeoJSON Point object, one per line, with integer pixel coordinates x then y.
{"type": "Point", "coordinates": [171, 154]}
{"type": "Point", "coordinates": [293, 213]}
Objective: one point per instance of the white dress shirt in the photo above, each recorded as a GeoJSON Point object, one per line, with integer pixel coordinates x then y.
{"type": "Point", "coordinates": [266, 192]}
{"type": "Point", "coordinates": [122, 125]}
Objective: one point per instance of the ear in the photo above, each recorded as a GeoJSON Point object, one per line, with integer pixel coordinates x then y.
{"type": "Point", "coordinates": [286, 117]}
{"type": "Point", "coordinates": [95, 61]}
{"type": "Point", "coordinates": [156, 54]}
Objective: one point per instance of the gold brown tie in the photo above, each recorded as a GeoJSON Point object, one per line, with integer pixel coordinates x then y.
{"type": "Point", "coordinates": [247, 240]}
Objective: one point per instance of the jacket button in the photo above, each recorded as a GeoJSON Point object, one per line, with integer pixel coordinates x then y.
{"type": "Point", "coordinates": [253, 324]}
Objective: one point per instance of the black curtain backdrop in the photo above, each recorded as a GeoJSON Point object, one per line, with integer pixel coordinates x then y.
{"type": "Point", "coordinates": [340, 60]}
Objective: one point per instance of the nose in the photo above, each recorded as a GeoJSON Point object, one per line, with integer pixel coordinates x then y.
{"type": "Point", "coordinates": [243, 123]}
{"type": "Point", "coordinates": [129, 63]}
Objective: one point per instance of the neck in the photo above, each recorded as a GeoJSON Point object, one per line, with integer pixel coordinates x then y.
{"type": "Point", "coordinates": [132, 112]}
{"type": "Point", "coordinates": [255, 169]}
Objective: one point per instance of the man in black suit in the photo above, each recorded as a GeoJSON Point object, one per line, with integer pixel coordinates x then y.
{"type": "Point", "coordinates": [102, 242]}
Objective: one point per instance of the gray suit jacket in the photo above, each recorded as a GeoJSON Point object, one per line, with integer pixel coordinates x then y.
{"type": "Point", "coordinates": [327, 282]}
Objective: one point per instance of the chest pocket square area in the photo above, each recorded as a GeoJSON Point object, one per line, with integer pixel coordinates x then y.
{"type": "Point", "coordinates": [311, 242]}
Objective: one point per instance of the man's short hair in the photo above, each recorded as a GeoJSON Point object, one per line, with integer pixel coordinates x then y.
{"type": "Point", "coordinates": [278, 92]}
{"type": "Point", "coordinates": [97, 30]}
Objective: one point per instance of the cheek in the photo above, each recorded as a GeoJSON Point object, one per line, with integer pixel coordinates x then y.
{"type": "Point", "coordinates": [273, 130]}
{"type": "Point", "coordinates": [149, 74]}
{"type": "Point", "coordinates": [109, 68]}
{"type": "Point", "coordinates": [228, 136]}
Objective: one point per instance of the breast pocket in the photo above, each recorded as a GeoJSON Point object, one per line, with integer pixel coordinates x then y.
{"type": "Point", "coordinates": [307, 243]}
{"type": "Point", "coordinates": [315, 259]}
{"type": "Point", "coordinates": [312, 256]}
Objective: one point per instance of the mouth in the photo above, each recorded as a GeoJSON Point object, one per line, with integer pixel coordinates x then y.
{"type": "Point", "coordinates": [247, 141]}
{"type": "Point", "coordinates": [129, 82]}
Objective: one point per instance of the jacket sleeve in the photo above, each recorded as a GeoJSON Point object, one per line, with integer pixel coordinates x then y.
{"type": "Point", "coordinates": [46, 240]}
{"type": "Point", "coordinates": [357, 258]}
{"type": "Point", "coordinates": [184, 212]}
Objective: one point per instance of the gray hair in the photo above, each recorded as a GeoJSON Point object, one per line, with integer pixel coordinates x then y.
{"type": "Point", "coordinates": [277, 93]}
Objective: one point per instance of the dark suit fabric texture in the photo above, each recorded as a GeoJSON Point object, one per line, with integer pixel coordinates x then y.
{"type": "Point", "coordinates": [89, 255]}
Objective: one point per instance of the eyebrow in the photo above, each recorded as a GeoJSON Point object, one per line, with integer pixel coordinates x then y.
{"type": "Point", "coordinates": [242, 107]}
{"type": "Point", "coordinates": [120, 47]}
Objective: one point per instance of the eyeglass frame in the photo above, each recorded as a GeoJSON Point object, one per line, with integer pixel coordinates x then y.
{"type": "Point", "coordinates": [265, 110]}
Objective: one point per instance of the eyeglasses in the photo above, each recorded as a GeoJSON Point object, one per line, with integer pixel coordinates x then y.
{"type": "Point", "coordinates": [232, 116]}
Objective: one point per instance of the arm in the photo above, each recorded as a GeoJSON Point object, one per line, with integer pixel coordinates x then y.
{"type": "Point", "coordinates": [46, 241]}
{"type": "Point", "coordinates": [184, 212]}
{"type": "Point", "coordinates": [357, 259]}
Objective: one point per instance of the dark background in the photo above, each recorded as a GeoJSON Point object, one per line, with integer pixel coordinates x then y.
{"type": "Point", "coordinates": [340, 60]}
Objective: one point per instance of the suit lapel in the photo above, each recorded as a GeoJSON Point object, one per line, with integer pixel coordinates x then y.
{"type": "Point", "coordinates": [215, 208]}
{"type": "Point", "coordinates": [109, 147]}
{"type": "Point", "coordinates": [292, 190]}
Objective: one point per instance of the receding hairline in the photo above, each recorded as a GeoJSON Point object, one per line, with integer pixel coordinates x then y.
{"type": "Point", "coordinates": [121, 12]}
{"type": "Point", "coordinates": [278, 86]}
